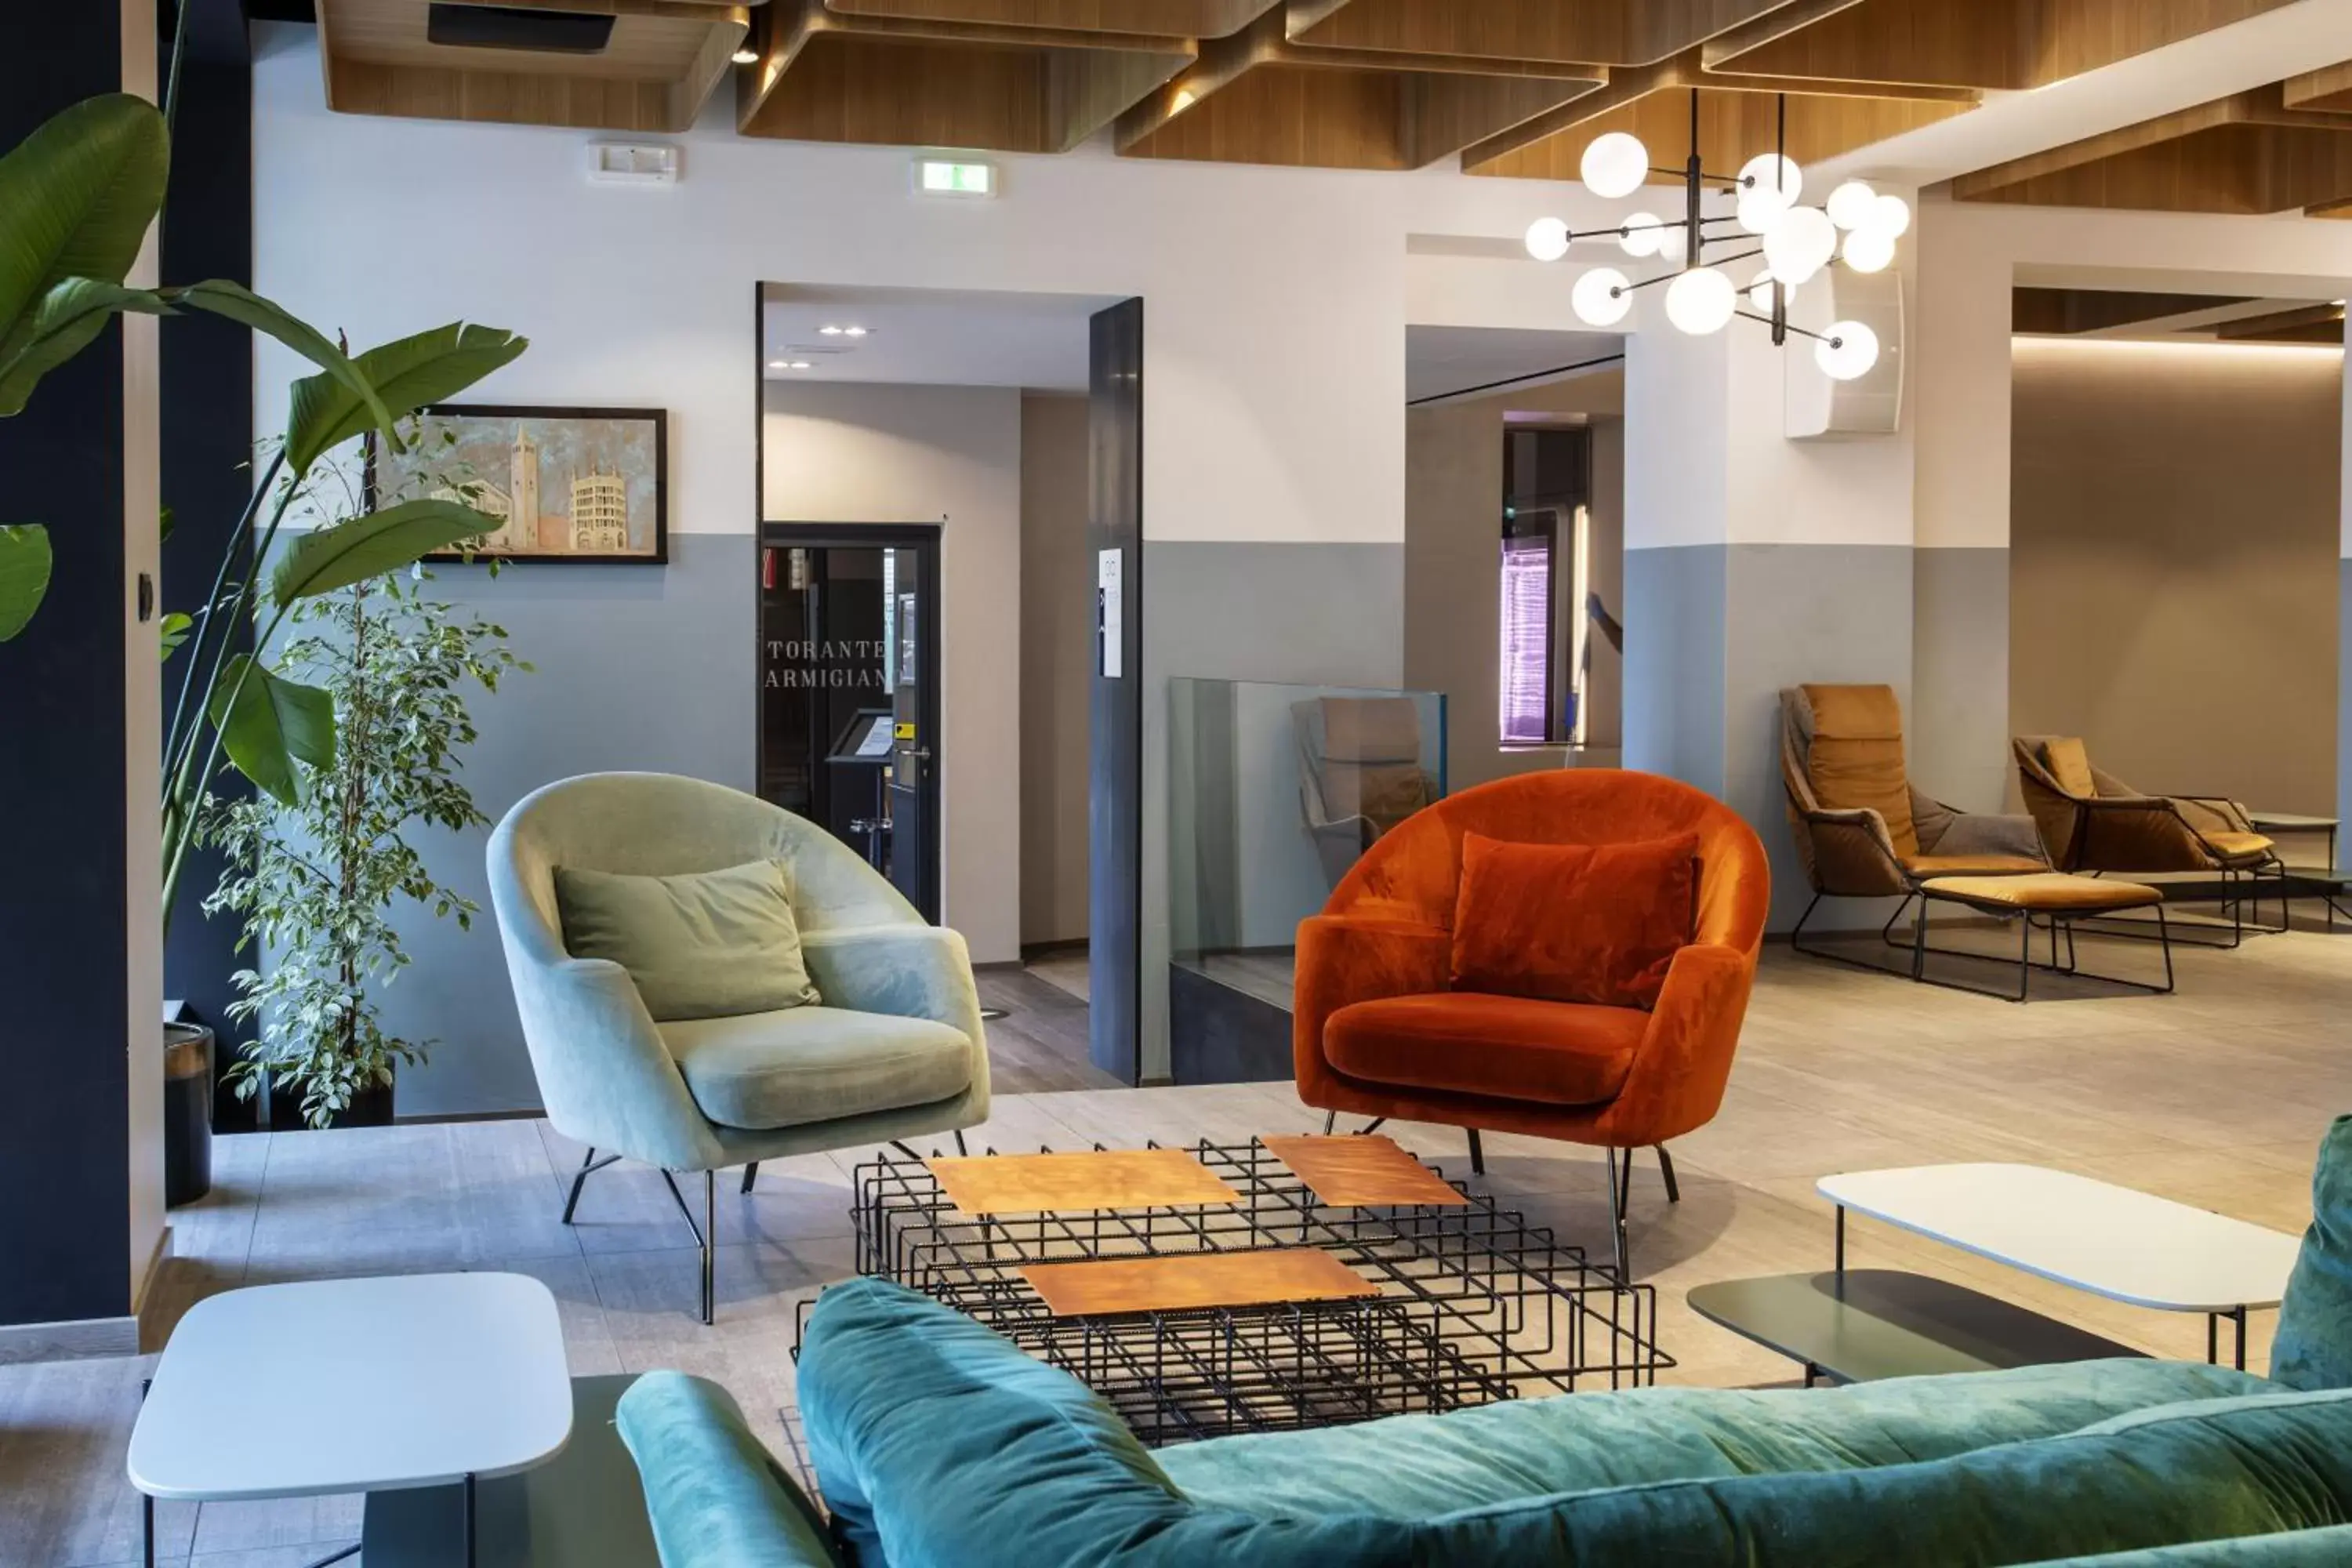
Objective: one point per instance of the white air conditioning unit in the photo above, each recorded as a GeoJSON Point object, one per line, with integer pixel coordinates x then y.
{"type": "Point", "coordinates": [1871, 403]}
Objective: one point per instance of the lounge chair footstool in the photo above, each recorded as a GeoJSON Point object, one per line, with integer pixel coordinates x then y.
{"type": "Point", "coordinates": [2055, 898]}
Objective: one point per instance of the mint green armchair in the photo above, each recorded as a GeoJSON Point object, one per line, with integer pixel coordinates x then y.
{"type": "Point", "coordinates": [897, 1049]}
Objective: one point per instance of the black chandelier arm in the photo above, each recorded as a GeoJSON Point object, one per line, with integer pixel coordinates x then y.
{"type": "Point", "coordinates": [1685, 174]}
{"type": "Point", "coordinates": [1728, 260]}
{"type": "Point", "coordinates": [1791, 326]}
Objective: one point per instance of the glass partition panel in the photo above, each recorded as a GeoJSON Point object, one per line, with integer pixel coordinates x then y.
{"type": "Point", "coordinates": [1274, 792]}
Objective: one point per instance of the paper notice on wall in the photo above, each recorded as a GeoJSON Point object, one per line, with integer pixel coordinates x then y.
{"type": "Point", "coordinates": [1108, 626]}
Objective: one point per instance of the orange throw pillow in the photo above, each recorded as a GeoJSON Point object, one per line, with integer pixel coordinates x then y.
{"type": "Point", "coordinates": [1574, 922]}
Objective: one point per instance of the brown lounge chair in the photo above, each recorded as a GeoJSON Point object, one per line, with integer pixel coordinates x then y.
{"type": "Point", "coordinates": [1863, 831]}
{"type": "Point", "coordinates": [2093, 822]}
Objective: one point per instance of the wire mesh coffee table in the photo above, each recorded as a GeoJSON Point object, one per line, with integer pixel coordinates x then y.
{"type": "Point", "coordinates": [1280, 1283]}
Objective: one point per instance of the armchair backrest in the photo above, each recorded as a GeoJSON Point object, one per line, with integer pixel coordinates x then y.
{"type": "Point", "coordinates": [662, 825]}
{"type": "Point", "coordinates": [1360, 756]}
{"type": "Point", "coordinates": [1412, 873]}
{"type": "Point", "coordinates": [1842, 745]}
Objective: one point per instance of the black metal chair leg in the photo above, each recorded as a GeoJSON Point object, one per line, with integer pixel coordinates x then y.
{"type": "Point", "coordinates": [705, 1234]}
{"type": "Point", "coordinates": [589, 1166]}
{"type": "Point", "coordinates": [1330, 1119]}
{"type": "Point", "coordinates": [959, 1138]}
{"type": "Point", "coordinates": [1617, 1214]}
{"type": "Point", "coordinates": [750, 1175]}
{"type": "Point", "coordinates": [709, 1245]}
{"type": "Point", "coordinates": [1666, 1169]}
{"type": "Point", "coordinates": [1477, 1154]}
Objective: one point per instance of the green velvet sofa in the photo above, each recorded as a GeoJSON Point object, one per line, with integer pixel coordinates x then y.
{"type": "Point", "coordinates": [940, 1445]}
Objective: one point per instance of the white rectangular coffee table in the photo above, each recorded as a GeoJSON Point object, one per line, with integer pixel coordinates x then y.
{"type": "Point", "coordinates": [2111, 1241]}
{"type": "Point", "coordinates": [354, 1385]}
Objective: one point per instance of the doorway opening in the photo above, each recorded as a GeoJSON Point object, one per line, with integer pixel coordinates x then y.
{"type": "Point", "coordinates": [928, 615]}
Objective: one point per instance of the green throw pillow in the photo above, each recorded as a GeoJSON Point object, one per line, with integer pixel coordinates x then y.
{"type": "Point", "coordinates": [2314, 1347]}
{"type": "Point", "coordinates": [709, 945]}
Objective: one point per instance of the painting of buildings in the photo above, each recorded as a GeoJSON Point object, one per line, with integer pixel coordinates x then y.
{"type": "Point", "coordinates": [579, 484]}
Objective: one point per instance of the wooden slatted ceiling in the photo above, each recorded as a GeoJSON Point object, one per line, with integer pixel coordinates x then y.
{"type": "Point", "coordinates": [829, 76]}
{"type": "Point", "coordinates": [1260, 97]}
{"type": "Point", "coordinates": [2011, 45]}
{"type": "Point", "coordinates": [2248, 154]}
{"type": "Point", "coordinates": [1516, 87]}
{"type": "Point", "coordinates": [663, 60]}
{"type": "Point", "coordinates": [1186, 18]}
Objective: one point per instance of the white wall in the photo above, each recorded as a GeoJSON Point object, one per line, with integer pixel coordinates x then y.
{"type": "Point", "coordinates": [867, 453]}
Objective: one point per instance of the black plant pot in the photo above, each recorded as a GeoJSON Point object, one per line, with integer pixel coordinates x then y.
{"type": "Point", "coordinates": [369, 1108]}
{"type": "Point", "coordinates": [187, 1113]}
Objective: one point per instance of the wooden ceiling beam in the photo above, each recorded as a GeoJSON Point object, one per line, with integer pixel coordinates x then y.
{"type": "Point", "coordinates": [1250, 98]}
{"type": "Point", "coordinates": [2329, 88]}
{"type": "Point", "coordinates": [827, 76]}
{"type": "Point", "coordinates": [2008, 44]}
{"type": "Point", "coordinates": [1171, 18]}
{"type": "Point", "coordinates": [1825, 117]}
{"type": "Point", "coordinates": [2283, 326]}
{"type": "Point", "coordinates": [1611, 32]}
{"type": "Point", "coordinates": [2246, 153]}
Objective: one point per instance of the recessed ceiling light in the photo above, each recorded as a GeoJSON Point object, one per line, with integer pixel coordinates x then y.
{"type": "Point", "coordinates": [853, 331]}
{"type": "Point", "coordinates": [746, 56]}
{"type": "Point", "coordinates": [830, 331]}
{"type": "Point", "coordinates": [800, 365]}
{"type": "Point", "coordinates": [779, 364]}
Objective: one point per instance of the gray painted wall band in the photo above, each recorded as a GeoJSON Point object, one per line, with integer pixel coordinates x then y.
{"type": "Point", "coordinates": [637, 667]}
{"type": "Point", "coordinates": [1713, 632]}
{"type": "Point", "coordinates": [1958, 727]}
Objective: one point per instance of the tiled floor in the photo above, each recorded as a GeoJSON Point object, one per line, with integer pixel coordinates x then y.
{"type": "Point", "coordinates": [2215, 1096]}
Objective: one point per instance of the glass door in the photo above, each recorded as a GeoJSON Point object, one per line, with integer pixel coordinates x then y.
{"type": "Point", "coordinates": [848, 690]}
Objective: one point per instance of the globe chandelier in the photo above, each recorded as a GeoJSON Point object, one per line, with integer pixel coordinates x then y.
{"type": "Point", "coordinates": [1857, 227]}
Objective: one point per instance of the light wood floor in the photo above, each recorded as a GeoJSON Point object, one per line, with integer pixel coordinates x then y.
{"type": "Point", "coordinates": [2216, 1096]}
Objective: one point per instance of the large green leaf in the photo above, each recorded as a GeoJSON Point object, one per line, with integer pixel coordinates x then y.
{"type": "Point", "coordinates": [69, 315]}
{"type": "Point", "coordinates": [269, 723]}
{"type": "Point", "coordinates": [327, 559]}
{"type": "Point", "coordinates": [76, 198]}
{"type": "Point", "coordinates": [23, 576]}
{"type": "Point", "coordinates": [242, 305]}
{"type": "Point", "coordinates": [408, 373]}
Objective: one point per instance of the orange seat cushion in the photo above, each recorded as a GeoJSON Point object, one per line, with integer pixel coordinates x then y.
{"type": "Point", "coordinates": [2238, 846]}
{"type": "Point", "coordinates": [1504, 1048]}
{"type": "Point", "coordinates": [1574, 922]}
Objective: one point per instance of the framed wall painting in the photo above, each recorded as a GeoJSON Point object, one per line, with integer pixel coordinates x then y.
{"type": "Point", "coordinates": [581, 485]}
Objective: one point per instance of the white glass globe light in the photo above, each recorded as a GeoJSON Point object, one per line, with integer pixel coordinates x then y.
{"type": "Point", "coordinates": [1760, 290]}
{"type": "Point", "coordinates": [1847, 350]}
{"type": "Point", "coordinates": [1547, 239]}
{"type": "Point", "coordinates": [1800, 244]}
{"type": "Point", "coordinates": [1601, 296]}
{"type": "Point", "coordinates": [1758, 214]}
{"type": "Point", "coordinates": [1615, 165]}
{"type": "Point", "coordinates": [1891, 215]}
{"type": "Point", "coordinates": [1701, 300]}
{"type": "Point", "coordinates": [1640, 235]}
{"type": "Point", "coordinates": [1869, 249]}
{"type": "Point", "coordinates": [1773, 177]}
{"type": "Point", "coordinates": [1674, 242]}
{"type": "Point", "coordinates": [1851, 204]}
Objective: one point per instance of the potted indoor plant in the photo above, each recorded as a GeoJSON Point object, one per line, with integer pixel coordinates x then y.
{"type": "Point", "coordinates": [317, 882]}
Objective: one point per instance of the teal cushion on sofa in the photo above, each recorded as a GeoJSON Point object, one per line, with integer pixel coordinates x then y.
{"type": "Point", "coordinates": [2314, 1346]}
{"type": "Point", "coordinates": [2291, 1549]}
{"type": "Point", "coordinates": [714, 1496]}
{"type": "Point", "coordinates": [1410, 1466]}
{"type": "Point", "coordinates": [706, 945]}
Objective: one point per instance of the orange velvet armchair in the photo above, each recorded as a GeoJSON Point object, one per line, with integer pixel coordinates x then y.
{"type": "Point", "coordinates": [1379, 1032]}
